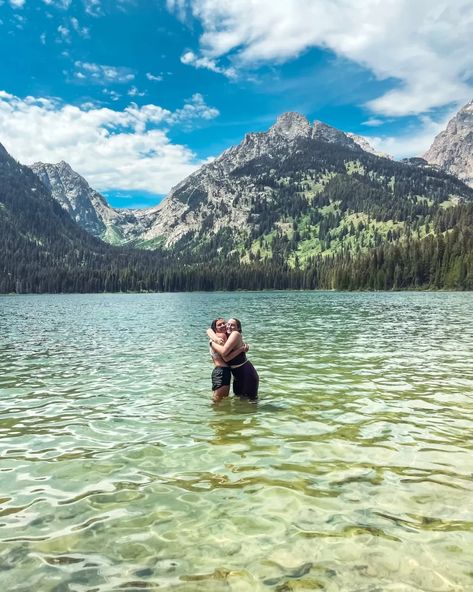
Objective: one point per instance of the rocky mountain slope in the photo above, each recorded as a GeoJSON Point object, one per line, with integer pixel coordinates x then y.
{"type": "Point", "coordinates": [36, 234]}
{"type": "Point", "coordinates": [318, 215]}
{"type": "Point", "coordinates": [43, 250]}
{"type": "Point", "coordinates": [452, 149]}
{"type": "Point", "coordinates": [299, 190]}
{"type": "Point", "coordinates": [224, 186]}
{"type": "Point", "coordinates": [149, 228]}
{"type": "Point", "coordinates": [89, 208]}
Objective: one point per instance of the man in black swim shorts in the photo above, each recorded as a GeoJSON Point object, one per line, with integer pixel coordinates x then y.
{"type": "Point", "coordinates": [221, 376]}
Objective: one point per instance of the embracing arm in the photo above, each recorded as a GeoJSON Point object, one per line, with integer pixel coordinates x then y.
{"type": "Point", "coordinates": [213, 337]}
{"type": "Point", "coordinates": [236, 352]}
{"type": "Point", "coordinates": [232, 347]}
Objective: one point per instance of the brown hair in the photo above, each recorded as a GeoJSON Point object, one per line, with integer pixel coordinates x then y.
{"type": "Point", "coordinates": [213, 326]}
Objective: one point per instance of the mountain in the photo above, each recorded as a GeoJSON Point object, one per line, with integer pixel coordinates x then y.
{"type": "Point", "coordinates": [452, 149]}
{"type": "Point", "coordinates": [230, 184]}
{"type": "Point", "coordinates": [43, 250]}
{"type": "Point", "coordinates": [142, 227]}
{"type": "Point", "coordinates": [298, 206]}
{"type": "Point", "coordinates": [89, 208]}
{"type": "Point", "coordinates": [366, 146]}
{"type": "Point", "coordinates": [297, 192]}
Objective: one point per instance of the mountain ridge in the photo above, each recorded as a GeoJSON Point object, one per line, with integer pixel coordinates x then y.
{"type": "Point", "coordinates": [452, 149]}
{"type": "Point", "coordinates": [277, 144]}
{"type": "Point", "coordinates": [243, 181]}
{"type": "Point", "coordinates": [356, 228]}
{"type": "Point", "coordinates": [88, 207]}
{"type": "Point", "coordinates": [270, 186]}
{"type": "Point", "coordinates": [120, 226]}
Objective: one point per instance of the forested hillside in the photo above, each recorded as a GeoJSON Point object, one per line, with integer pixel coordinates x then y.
{"type": "Point", "coordinates": [325, 221]}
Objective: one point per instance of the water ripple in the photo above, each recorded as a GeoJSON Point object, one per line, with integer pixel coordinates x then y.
{"type": "Point", "coordinates": [353, 472]}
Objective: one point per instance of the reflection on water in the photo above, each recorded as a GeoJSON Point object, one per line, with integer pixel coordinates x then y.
{"type": "Point", "coordinates": [353, 472]}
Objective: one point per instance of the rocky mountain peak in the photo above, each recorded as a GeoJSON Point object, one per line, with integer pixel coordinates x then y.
{"type": "Point", "coordinates": [65, 166]}
{"type": "Point", "coordinates": [60, 171]}
{"type": "Point", "coordinates": [88, 207]}
{"type": "Point", "coordinates": [291, 125]}
{"type": "Point", "coordinates": [452, 149]}
{"type": "Point", "coordinates": [326, 133]}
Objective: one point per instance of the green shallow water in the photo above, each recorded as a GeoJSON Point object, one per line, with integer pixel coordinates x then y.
{"type": "Point", "coordinates": [352, 473]}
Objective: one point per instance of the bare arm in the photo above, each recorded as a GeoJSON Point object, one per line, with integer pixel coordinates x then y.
{"type": "Point", "coordinates": [235, 353]}
{"type": "Point", "coordinates": [213, 337]}
{"type": "Point", "coordinates": [233, 342]}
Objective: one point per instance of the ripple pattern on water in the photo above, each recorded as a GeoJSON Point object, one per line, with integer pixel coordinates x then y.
{"type": "Point", "coordinates": [353, 472]}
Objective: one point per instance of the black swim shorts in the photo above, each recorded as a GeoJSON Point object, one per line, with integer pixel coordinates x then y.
{"type": "Point", "coordinates": [221, 377]}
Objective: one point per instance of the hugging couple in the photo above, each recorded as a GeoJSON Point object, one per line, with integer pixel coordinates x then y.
{"type": "Point", "coordinates": [229, 357]}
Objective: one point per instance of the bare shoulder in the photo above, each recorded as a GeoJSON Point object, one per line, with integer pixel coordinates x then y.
{"type": "Point", "coordinates": [235, 338]}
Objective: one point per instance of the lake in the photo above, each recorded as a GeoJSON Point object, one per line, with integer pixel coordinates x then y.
{"type": "Point", "coordinates": [353, 472]}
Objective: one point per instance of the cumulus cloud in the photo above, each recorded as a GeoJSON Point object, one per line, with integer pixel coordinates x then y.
{"type": "Point", "coordinates": [17, 3]}
{"type": "Point", "coordinates": [194, 108]}
{"type": "Point", "coordinates": [113, 95]}
{"type": "Point", "coordinates": [101, 74]}
{"type": "Point", "coordinates": [425, 46]}
{"type": "Point", "coordinates": [191, 59]}
{"type": "Point", "coordinates": [112, 149]}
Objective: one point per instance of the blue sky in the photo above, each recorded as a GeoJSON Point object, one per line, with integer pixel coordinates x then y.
{"type": "Point", "coordinates": [136, 94]}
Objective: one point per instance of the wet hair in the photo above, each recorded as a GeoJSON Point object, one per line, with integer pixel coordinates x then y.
{"type": "Point", "coordinates": [213, 326]}
{"type": "Point", "coordinates": [238, 324]}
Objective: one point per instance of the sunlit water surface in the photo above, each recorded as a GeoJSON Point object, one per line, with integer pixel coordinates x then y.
{"type": "Point", "coordinates": [352, 473]}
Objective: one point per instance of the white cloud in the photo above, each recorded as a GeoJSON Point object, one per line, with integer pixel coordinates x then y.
{"type": "Point", "coordinates": [127, 150]}
{"type": "Point", "coordinates": [64, 4]}
{"type": "Point", "coordinates": [413, 142]}
{"type": "Point", "coordinates": [111, 93]}
{"type": "Point", "coordinates": [154, 77]}
{"type": "Point", "coordinates": [19, 21]}
{"type": "Point", "coordinates": [425, 45]}
{"type": "Point", "coordinates": [194, 108]}
{"type": "Point", "coordinates": [93, 7]}
{"type": "Point", "coordinates": [374, 122]}
{"type": "Point", "coordinates": [64, 33]}
{"type": "Point", "coordinates": [191, 59]}
{"type": "Point", "coordinates": [42, 38]}
{"type": "Point", "coordinates": [17, 3]}
{"type": "Point", "coordinates": [134, 92]}
{"type": "Point", "coordinates": [81, 31]}
{"type": "Point", "coordinates": [101, 74]}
